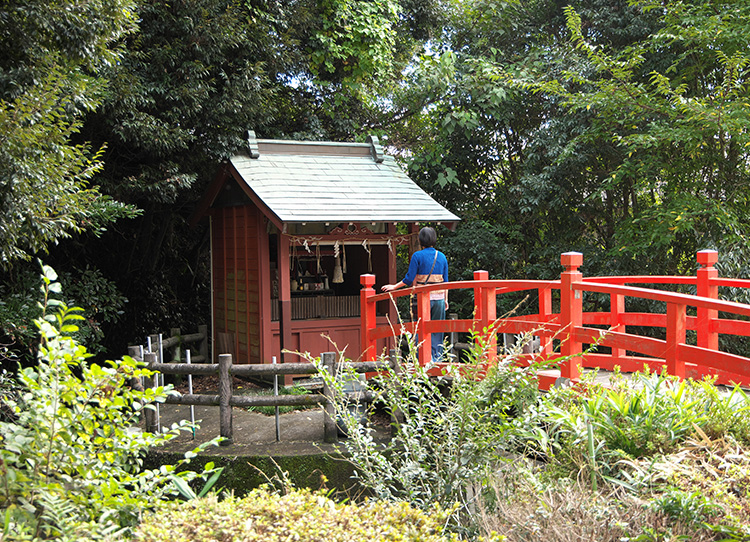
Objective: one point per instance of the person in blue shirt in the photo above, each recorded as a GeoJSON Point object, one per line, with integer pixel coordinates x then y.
{"type": "Point", "coordinates": [428, 266]}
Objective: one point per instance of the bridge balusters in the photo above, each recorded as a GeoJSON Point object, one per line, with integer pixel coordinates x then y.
{"type": "Point", "coordinates": [545, 315]}
{"type": "Point", "coordinates": [485, 309]}
{"type": "Point", "coordinates": [424, 350]}
{"type": "Point", "coordinates": [616, 310]}
{"type": "Point", "coordinates": [676, 326]}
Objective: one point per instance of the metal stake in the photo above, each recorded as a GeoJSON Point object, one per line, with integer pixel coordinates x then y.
{"type": "Point", "coordinates": [159, 377]}
{"type": "Point", "coordinates": [276, 394]}
{"type": "Point", "coordinates": [190, 391]}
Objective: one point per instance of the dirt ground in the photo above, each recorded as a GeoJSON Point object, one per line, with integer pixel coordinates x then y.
{"type": "Point", "coordinates": [300, 432]}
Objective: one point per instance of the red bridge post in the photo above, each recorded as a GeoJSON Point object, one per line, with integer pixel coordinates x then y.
{"type": "Point", "coordinates": [424, 349]}
{"type": "Point", "coordinates": [545, 313]}
{"type": "Point", "coordinates": [676, 326]}
{"type": "Point", "coordinates": [485, 309]}
{"type": "Point", "coordinates": [571, 313]}
{"type": "Point", "coordinates": [368, 317]}
{"type": "Point", "coordinates": [707, 338]}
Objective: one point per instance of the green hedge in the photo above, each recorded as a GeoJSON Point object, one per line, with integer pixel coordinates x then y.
{"type": "Point", "coordinates": [300, 515]}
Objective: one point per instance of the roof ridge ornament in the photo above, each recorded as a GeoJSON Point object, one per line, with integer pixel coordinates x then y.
{"type": "Point", "coordinates": [375, 149]}
{"type": "Point", "coordinates": [252, 145]}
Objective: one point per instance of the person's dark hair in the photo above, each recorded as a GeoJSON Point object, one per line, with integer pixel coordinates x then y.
{"type": "Point", "coordinates": [427, 237]}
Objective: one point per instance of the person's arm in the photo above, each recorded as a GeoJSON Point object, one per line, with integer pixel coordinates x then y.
{"type": "Point", "coordinates": [407, 280]}
{"type": "Point", "coordinates": [390, 287]}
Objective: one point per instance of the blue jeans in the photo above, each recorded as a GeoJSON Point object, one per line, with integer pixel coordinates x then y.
{"type": "Point", "coordinates": [437, 312]}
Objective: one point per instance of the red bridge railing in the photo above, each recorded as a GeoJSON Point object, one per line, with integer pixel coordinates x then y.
{"type": "Point", "coordinates": [565, 331]}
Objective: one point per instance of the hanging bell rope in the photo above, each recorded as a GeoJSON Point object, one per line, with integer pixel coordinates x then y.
{"type": "Point", "coordinates": [338, 274]}
{"type": "Point", "coordinates": [366, 245]}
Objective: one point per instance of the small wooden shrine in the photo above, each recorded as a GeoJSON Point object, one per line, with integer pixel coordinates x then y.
{"type": "Point", "coordinates": [293, 226]}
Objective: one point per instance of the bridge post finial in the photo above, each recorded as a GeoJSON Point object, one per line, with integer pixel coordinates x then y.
{"type": "Point", "coordinates": [707, 258]}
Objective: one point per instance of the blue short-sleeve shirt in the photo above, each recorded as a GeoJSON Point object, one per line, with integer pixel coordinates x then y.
{"type": "Point", "coordinates": [421, 263]}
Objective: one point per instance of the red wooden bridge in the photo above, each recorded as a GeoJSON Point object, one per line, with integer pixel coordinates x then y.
{"type": "Point", "coordinates": [564, 329]}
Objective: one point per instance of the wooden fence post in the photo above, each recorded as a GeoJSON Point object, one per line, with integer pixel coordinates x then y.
{"type": "Point", "coordinates": [571, 313]}
{"type": "Point", "coordinates": [368, 317]}
{"type": "Point", "coordinates": [225, 398]}
{"type": "Point", "coordinates": [203, 345]}
{"type": "Point", "coordinates": [135, 353]}
{"type": "Point", "coordinates": [330, 432]}
{"type": "Point", "coordinates": [707, 338]}
{"type": "Point", "coordinates": [485, 307]}
{"type": "Point", "coordinates": [176, 356]}
{"type": "Point", "coordinates": [148, 382]}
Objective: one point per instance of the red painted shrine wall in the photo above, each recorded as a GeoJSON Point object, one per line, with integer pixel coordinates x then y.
{"type": "Point", "coordinates": [237, 253]}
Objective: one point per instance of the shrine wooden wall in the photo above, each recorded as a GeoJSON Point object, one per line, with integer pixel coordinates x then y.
{"type": "Point", "coordinates": [238, 249]}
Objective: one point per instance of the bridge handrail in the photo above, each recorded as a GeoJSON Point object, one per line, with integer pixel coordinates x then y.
{"type": "Point", "coordinates": [674, 353]}
{"type": "Point", "coordinates": [666, 297]}
{"type": "Point", "coordinates": [505, 285]}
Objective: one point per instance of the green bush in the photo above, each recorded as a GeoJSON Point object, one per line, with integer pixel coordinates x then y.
{"type": "Point", "coordinates": [19, 308]}
{"type": "Point", "coordinates": [302, 516]}
{"type": "Point", "coordinates": [641, 416]}
{"type": "Point", "coordinates": [70, 458]}
{"type": "Point", "coordinates": [453, 433]}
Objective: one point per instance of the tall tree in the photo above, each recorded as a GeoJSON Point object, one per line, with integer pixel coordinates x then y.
{"type": "Point", "coordinates": [51, 57]}
{"type": "Point", "coordinates": [191, 82]}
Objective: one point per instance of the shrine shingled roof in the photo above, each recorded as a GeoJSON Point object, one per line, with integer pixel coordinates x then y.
{"type": "Point", "coordinates": [303, 181]}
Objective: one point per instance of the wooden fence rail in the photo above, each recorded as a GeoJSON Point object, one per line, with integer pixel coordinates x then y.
{"type": "Point", "coordinates": [175, 345]}
{"type": "Point", "coordinates": [225, 399]}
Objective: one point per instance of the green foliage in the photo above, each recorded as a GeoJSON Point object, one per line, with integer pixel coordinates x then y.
{"type": "Point", "coordinates": [691, 507]}
{"type": "Point", "coordinates": [44, 193]}
{"type": "Point", "coordinates": [19, 308]}
{"type": "Point", "coordinates": [453, 432]}
{"type": "Point", "coordinates": [101, 301]}
{"type": "Point", "coordinates": [639, 416]}
{"type": "Point", "coordinates": [71, 455]}
{"type": "Point", "coordinates": [47, 81]}
{"type": "Point", "coordinates": [298, 515]}
{"type": "Point", "coordinates": [355, 41]}
{"type": "Point", "coordinates": [672, 106]}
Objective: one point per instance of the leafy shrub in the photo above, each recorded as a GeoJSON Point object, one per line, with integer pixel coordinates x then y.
{"type": "Point", "coordinates": [644, 415]}
{"type": "Point", "coordinates": [69, 458]}
{"type": "Point", "coordinates": [302, 516]}
{"type": "Point", "coordinates": [453, 431]}
{"type": "Point", "coordinates": [99, 298]}
{"type": "Point", "coordinates": [725, 413]}
{"type": "Point", "coordinates": [19, 307]}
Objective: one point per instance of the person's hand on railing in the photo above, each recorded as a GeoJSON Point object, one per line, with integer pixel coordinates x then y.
{"type": "Point", "coordinates": [391, 287]}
